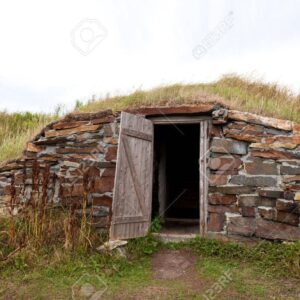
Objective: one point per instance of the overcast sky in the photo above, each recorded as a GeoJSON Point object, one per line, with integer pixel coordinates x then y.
{"type": "Point", "coordinates": [54, 52]}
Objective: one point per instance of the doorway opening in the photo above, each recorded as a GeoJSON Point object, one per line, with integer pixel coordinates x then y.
{"type": "Point", "coordinates": [176, 178]}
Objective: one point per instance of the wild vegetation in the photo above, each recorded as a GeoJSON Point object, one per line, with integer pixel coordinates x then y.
{"type": "Point", "coordinates": [17, 128]}
{"type": "Point", "coordinates": [47, 249]}
{"type": "Point", "coordinates": [233, 91]}
{"type": "Point", "coordinates": [42, 255]}
{"type": "Point", "coordinates": [237, 92]}
{"type": "Point", "coordinates": [259, 271]}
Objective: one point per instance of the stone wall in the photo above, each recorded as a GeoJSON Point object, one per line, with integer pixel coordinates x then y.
{"type": "Point", "coordinates": [70, 162]}
{"type": "Point", "coordinates": [254, 181]}
{"type": "Point", "coordinates": [254, 170]}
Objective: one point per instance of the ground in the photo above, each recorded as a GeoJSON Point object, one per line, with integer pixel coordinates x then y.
{"type": "Point", "coordinates": [165, 274]}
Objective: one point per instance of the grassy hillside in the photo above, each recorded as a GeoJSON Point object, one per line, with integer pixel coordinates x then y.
{"type": "Point", "coordinates": [236, 92]}
{"type": "Point", "coordinates": [16, 129]}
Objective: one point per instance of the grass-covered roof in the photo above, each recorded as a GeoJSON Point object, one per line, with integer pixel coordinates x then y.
{"type": "Point", "coordinates": [235, 92]}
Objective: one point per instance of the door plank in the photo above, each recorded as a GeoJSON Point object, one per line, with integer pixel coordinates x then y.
{"type": "Point", "coordinates": [138, 134]}
{"type": "Point", "coordinates": [134, 176]}
{"type": "Point", "coordinates": [131, 211]}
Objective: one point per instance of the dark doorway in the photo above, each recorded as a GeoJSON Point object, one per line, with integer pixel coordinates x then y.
{"type": "Point", "coordinates": [176, 177]}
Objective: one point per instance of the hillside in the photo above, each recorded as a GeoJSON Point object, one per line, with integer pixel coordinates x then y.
{"type": "Point", "coordinates": [16, 129]}
{"type": "Point", "coordinates": [233, 91]}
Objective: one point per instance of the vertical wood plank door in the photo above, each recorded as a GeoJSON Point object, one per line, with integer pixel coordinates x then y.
{"type": "Point", "coordinates": [132, 201]}
{"type": "Point", "coordinates": [203, 174]}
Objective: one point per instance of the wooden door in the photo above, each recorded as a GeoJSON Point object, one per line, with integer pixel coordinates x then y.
{"type": "Point", "coordinates": [131, 215]}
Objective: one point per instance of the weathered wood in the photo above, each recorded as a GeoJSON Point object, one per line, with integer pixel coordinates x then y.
{"type": "Point", "coordinates": [125, 220]}
{"type": "Point", "coordinates": [166, 119]}
{"type": "Point", "coordinates": [174, 110]}
{"type": "Point", "coordinates": [139, 135]}
{"type": "Point", "coordinates": [203, 178]}
{"type": "Point", "coordinates": [133, 173]}
{"type": "Point", "coordinates": [133, 181]}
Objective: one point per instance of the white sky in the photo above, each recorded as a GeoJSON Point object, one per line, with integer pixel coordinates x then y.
{"type": "Point", "coordinates": [141, 44]}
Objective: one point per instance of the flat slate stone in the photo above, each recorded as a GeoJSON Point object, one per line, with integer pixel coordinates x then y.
{"type": "Point", "coordinates": [224, 163]}
{"type": "Point", "coordinates": [221, 209]}
{"type": "Point", "coordinates": [260, 120]}
{"type": "Point", "coordinates": [232, 189]}
{"type": "Point", "coordinates": [267, 213]}
{"type": "Point", "coordinates": [220, 145]}
{"type": "Point", "coordinates": [217, 179]}
{"type": "Point", "coordinates": [289, 170]}
{"type": "Point", "coordinates": [264, 201]}
{"type": "Point", "coordinates": [215, 222]}
{"type": "Point", "coordinates": [221, 199]}
{"type": "Point", "coordinates": [253, 180]}
{"type": "Point", "coordinates": [246, 132]}
{"type": "Point", "coordinates": [241, 225]}
{"type": "Point", "coordinates": [67, 125]}
{"type": "Point", "coordinates": [276, 231]}
{"type": "Point", "coordinates": [285, 205]}
{"type": "Point", "coordinates": [290, 139]}
{"type": "Point", "coordinates": [275, 154]}
{"type": "Point", "coordinates": [287, 179]}
{"type": "Point", "coordinates": [286, 217]}
{"type": "Point", "coordinates": [259, 167]}
{"type": "Point", "coordinates": [271, 193]}
{"type": "Point", "coordinates": [70, 131]}
{"type": "Point", "coordinates": [88, 116]}
{"type": "Point", "coordinates": [248, 211]}
{"type": "Point", "coordinates": [248, 200]}
{"type": "Point", "coordinates": [275, 145]}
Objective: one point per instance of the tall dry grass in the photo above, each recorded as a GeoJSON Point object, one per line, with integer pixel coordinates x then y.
{"type": "Point", "coordinates": [244, 94]}
{"type": "Point", "coordinates": [240, 93]}
{"type": "Point", "coordinates": [18, 128]}
{"type": "Point", "coordinates": [47, 227]}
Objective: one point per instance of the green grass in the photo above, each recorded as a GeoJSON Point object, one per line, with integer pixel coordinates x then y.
{"type": "Point", "coordinates": [264, 255]}
{"type": "Point", "coordinates": [18, 128]}
{"type": "Point", "coordinates": [236, 92]}
{"type": "Point", "coordinates": [53, 272]}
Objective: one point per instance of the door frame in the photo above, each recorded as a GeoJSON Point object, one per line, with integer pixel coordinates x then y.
{"type": "Point", "coordinates": [205, 126]}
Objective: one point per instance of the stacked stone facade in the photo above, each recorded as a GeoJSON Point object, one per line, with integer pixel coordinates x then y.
{"type": "Point", "coordinates": [254, 182]}
{"type": "Point", "coordinates": [253, 171]}
{"type": "Point", "coordinates": [70, 162]}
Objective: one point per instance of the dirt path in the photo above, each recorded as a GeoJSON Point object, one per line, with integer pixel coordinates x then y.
{"type": "Point", "coordinates": [171, 264]}
{"type": "Point", "coordinates": [172, 270]}
{"type": "Point", "coordinates": [168, 274]}
{"type": "Point", "coordinates": [175, 276]}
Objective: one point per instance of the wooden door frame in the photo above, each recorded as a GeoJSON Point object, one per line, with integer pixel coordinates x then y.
{"type": "Point", "coordinates": [205, 125]}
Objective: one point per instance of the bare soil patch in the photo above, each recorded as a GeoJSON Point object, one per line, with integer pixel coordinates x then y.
{"type": "Point", "coordinates": [171, 264]}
